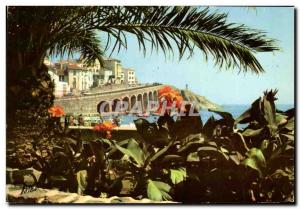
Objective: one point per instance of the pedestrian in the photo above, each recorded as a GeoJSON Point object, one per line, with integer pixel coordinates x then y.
{"type": "Point", "coordinates": [80, 120]}
{"type": "Point", "coordinates": [117, 121]}
{"type": "Point", "coordinates": [71, 121]}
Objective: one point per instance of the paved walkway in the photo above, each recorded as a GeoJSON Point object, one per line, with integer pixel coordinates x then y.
{"type": "Point", "coordinates": [52, 196]}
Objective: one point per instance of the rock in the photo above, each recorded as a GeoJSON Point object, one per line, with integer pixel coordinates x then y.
{"type": "Point", "coordinates": [200, 101]}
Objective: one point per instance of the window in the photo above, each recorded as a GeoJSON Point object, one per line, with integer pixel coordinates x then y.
{"type": "Point", "coordinates": [61, 78]}
{"type": "Point", "coordinates": [74, 83]}
{"type": "Point", "coordinates": [74, 72]}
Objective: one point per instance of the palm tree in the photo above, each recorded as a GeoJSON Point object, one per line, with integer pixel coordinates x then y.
{"type": "Point", "coordinates": [36, 32]}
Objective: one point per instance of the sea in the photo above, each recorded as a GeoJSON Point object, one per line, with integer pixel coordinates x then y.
{"type": "Point", "coordinates": [235, 110]}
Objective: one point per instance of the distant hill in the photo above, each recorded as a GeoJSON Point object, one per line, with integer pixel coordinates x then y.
{"type": "Point", "coordinates": [200, 101]}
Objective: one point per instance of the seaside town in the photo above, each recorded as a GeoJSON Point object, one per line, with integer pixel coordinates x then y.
{"type": "Point", "coordinates": [73, 77]}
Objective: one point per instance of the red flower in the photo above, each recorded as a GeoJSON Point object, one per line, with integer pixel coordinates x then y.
{"type": "Point", "coordinates": [169, 95]}
{"type": "Point", "coordinates": [164, 90]}
{"type": "Point", "coordinates": [105, 128]}
{"type": "Point", "coordinates": [56, 111]}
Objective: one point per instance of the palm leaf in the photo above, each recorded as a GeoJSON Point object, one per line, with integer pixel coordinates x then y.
{"type": "Point", "coordinates": [231, 45]}
{"type": "Point", "coordinates": [66, 30]}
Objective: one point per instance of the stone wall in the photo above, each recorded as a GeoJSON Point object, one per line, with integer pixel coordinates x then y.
{"type": "Point", "coordinates": [88, 104]}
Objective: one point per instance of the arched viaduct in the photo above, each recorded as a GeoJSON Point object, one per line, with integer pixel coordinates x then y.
{"type": "Point", "coordinates": [90, 104]}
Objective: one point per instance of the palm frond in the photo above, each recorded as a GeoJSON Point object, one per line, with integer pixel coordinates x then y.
{"type": "Point", "coordinates": [231, 45]}
{"type": "Point", "coordinates": [61, 30]}
{"type": "Point", "coordinates": [84, 42]}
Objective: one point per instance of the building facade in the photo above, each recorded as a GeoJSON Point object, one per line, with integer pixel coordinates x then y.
{"type": "Point", "coordinates": [115, 66]}
{"type": "Point", "coordinates": [129, 76]}
{"type": "Point", "coordinates": [78, 75]}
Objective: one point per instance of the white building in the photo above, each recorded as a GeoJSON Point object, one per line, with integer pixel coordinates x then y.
{"type": "Point", "coordinates": [129, 76]}
{"type": "Point", "coordinates": [79, 76]}
{"type": "Point", "coordinates": [105, 75]}
{"type": "Point", "coordinates": [61, 88]}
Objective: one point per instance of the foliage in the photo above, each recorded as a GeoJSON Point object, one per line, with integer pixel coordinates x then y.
{"type": "Point", "coordinates": [171, 161]}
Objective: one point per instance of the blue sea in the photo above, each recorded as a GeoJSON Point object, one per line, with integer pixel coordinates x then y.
{"type": "Point", "coordinates": [235, 110]}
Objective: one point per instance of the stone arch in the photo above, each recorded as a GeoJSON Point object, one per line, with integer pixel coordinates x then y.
{"type": "Point", "coordinates": [104, 105]}
{"type": "Point", "coordinates": [114, 104]}
{"type": "Point", "coordinates": [132, 101]}
{"type": "Point", "coordinates": [145, 101]}
{"type": "Point", "coordinates": [155, 95]}
{"type": "Point", "coordinates": [140, 99]}
{"type": "Point", "coordinates": [127, 101]}
{"type": "Point", "coordinates": [150, 96]}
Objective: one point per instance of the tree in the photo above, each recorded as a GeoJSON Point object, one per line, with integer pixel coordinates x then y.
{"type": "Point", "coordinates": [35, 32]}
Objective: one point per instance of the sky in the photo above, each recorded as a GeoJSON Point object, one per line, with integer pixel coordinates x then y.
{"type": "Point", "coordinates": [221, 86]}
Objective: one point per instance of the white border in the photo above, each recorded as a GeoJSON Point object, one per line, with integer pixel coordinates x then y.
{"type": "Point", "coordinates": [112, 2]}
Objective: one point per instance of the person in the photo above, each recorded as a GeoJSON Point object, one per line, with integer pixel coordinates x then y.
{"type": "Point", "coordinates": [101, 118]}
{"type": "Point", "coordinates": [72, 121]}
{"type": "Point", "coordinates": [80, 120]}
{"type": "Point", "coordinates": [67, 118]}
{"type": "Point", "coordinates": [117, 120]}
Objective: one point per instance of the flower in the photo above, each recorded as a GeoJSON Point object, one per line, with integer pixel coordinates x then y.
{"type": "Point", "coordinates": [164, 90]}
{"type": "Point", "coordinates": [56, 111]}
{"type": "Point", "coordinates": [105, 128]}
{"type": "Point", "coordinates": [169, 95]}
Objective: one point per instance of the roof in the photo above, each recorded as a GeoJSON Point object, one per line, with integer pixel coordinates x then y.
{"type": "Point", "coordinates": [111, 59]}
{"type": "Point", "coordinates": [129, 69]}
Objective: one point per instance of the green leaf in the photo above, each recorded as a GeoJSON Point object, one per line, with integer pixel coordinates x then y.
{"type": "Point", "coordinates": [255, 160]}
{"type": "Point", "coordinates": [107, 141]}
{"type": "Point", "coordinates": [235, 158]}
{"type": "Point", "coordinates": [225, 115]}
{"type": "Point", "coordinates": [258, 155]}
{"type": "Point", "coordinates": [150, 133]}
{"type": "Point", "coordinates": [58, 178]}
{"type": "Point", "coordinates": [291, 124]}
{"type": "Point", "coordinates": [158, 191]}
{"type": "Point", "coordinates": [279, 173]}
{"type": "Point", "coordinates": [133, 150]}
{"type": "Point", "coordinates": [245, 117]}
{"type": "Point", "coordinates": [81, 177]}
{"type": "Point", "coordinates": [290, 137]}
{"type": "Point", "coordinates": [252, 163]}
{"type": "Point", "coordinates": [212, 152]}
{"type": "Point", "coordinates": [191, 146]}
{"type": "Point", "coordinates": [269, 107]}
{"type": "Point", "coordinates": [281, 119]}
{"type": "Point", "coordinates": [252, 133]}
{"type": "Point", "coordinates": [172, 158]}
{"type": "Point", "coordinates": [208, 128]}
{"type": "Point", "coordinates": [178, 175]}
{"type": "Point", "coordinates": [264, 144]}
{"type": "Point", "coordinates": [193, 157]}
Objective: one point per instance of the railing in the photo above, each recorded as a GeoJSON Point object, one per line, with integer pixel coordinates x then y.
{"type": "Point", "coordinates": [121, 128]}
{"type": "Point", "coordinates": [95, 95]}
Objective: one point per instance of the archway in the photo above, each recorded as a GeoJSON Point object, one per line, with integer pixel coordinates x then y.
{"type": "Point", "coordinates": [155, 96]}
{"type": "Point", "coordinates": [114, 104]}
{"type": "Point", "coordinates": [132, 101]}
{"type": "Point", "coordinates": [103, 106]}
{"type": "Point", "coordinates": [125, 104]}
{"type": "Point", "coordinates": [150, 96]}
{"type": "Point", "coordinates": [140, 100]}
{"type": "Point", "coordinates": [145, 101]}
